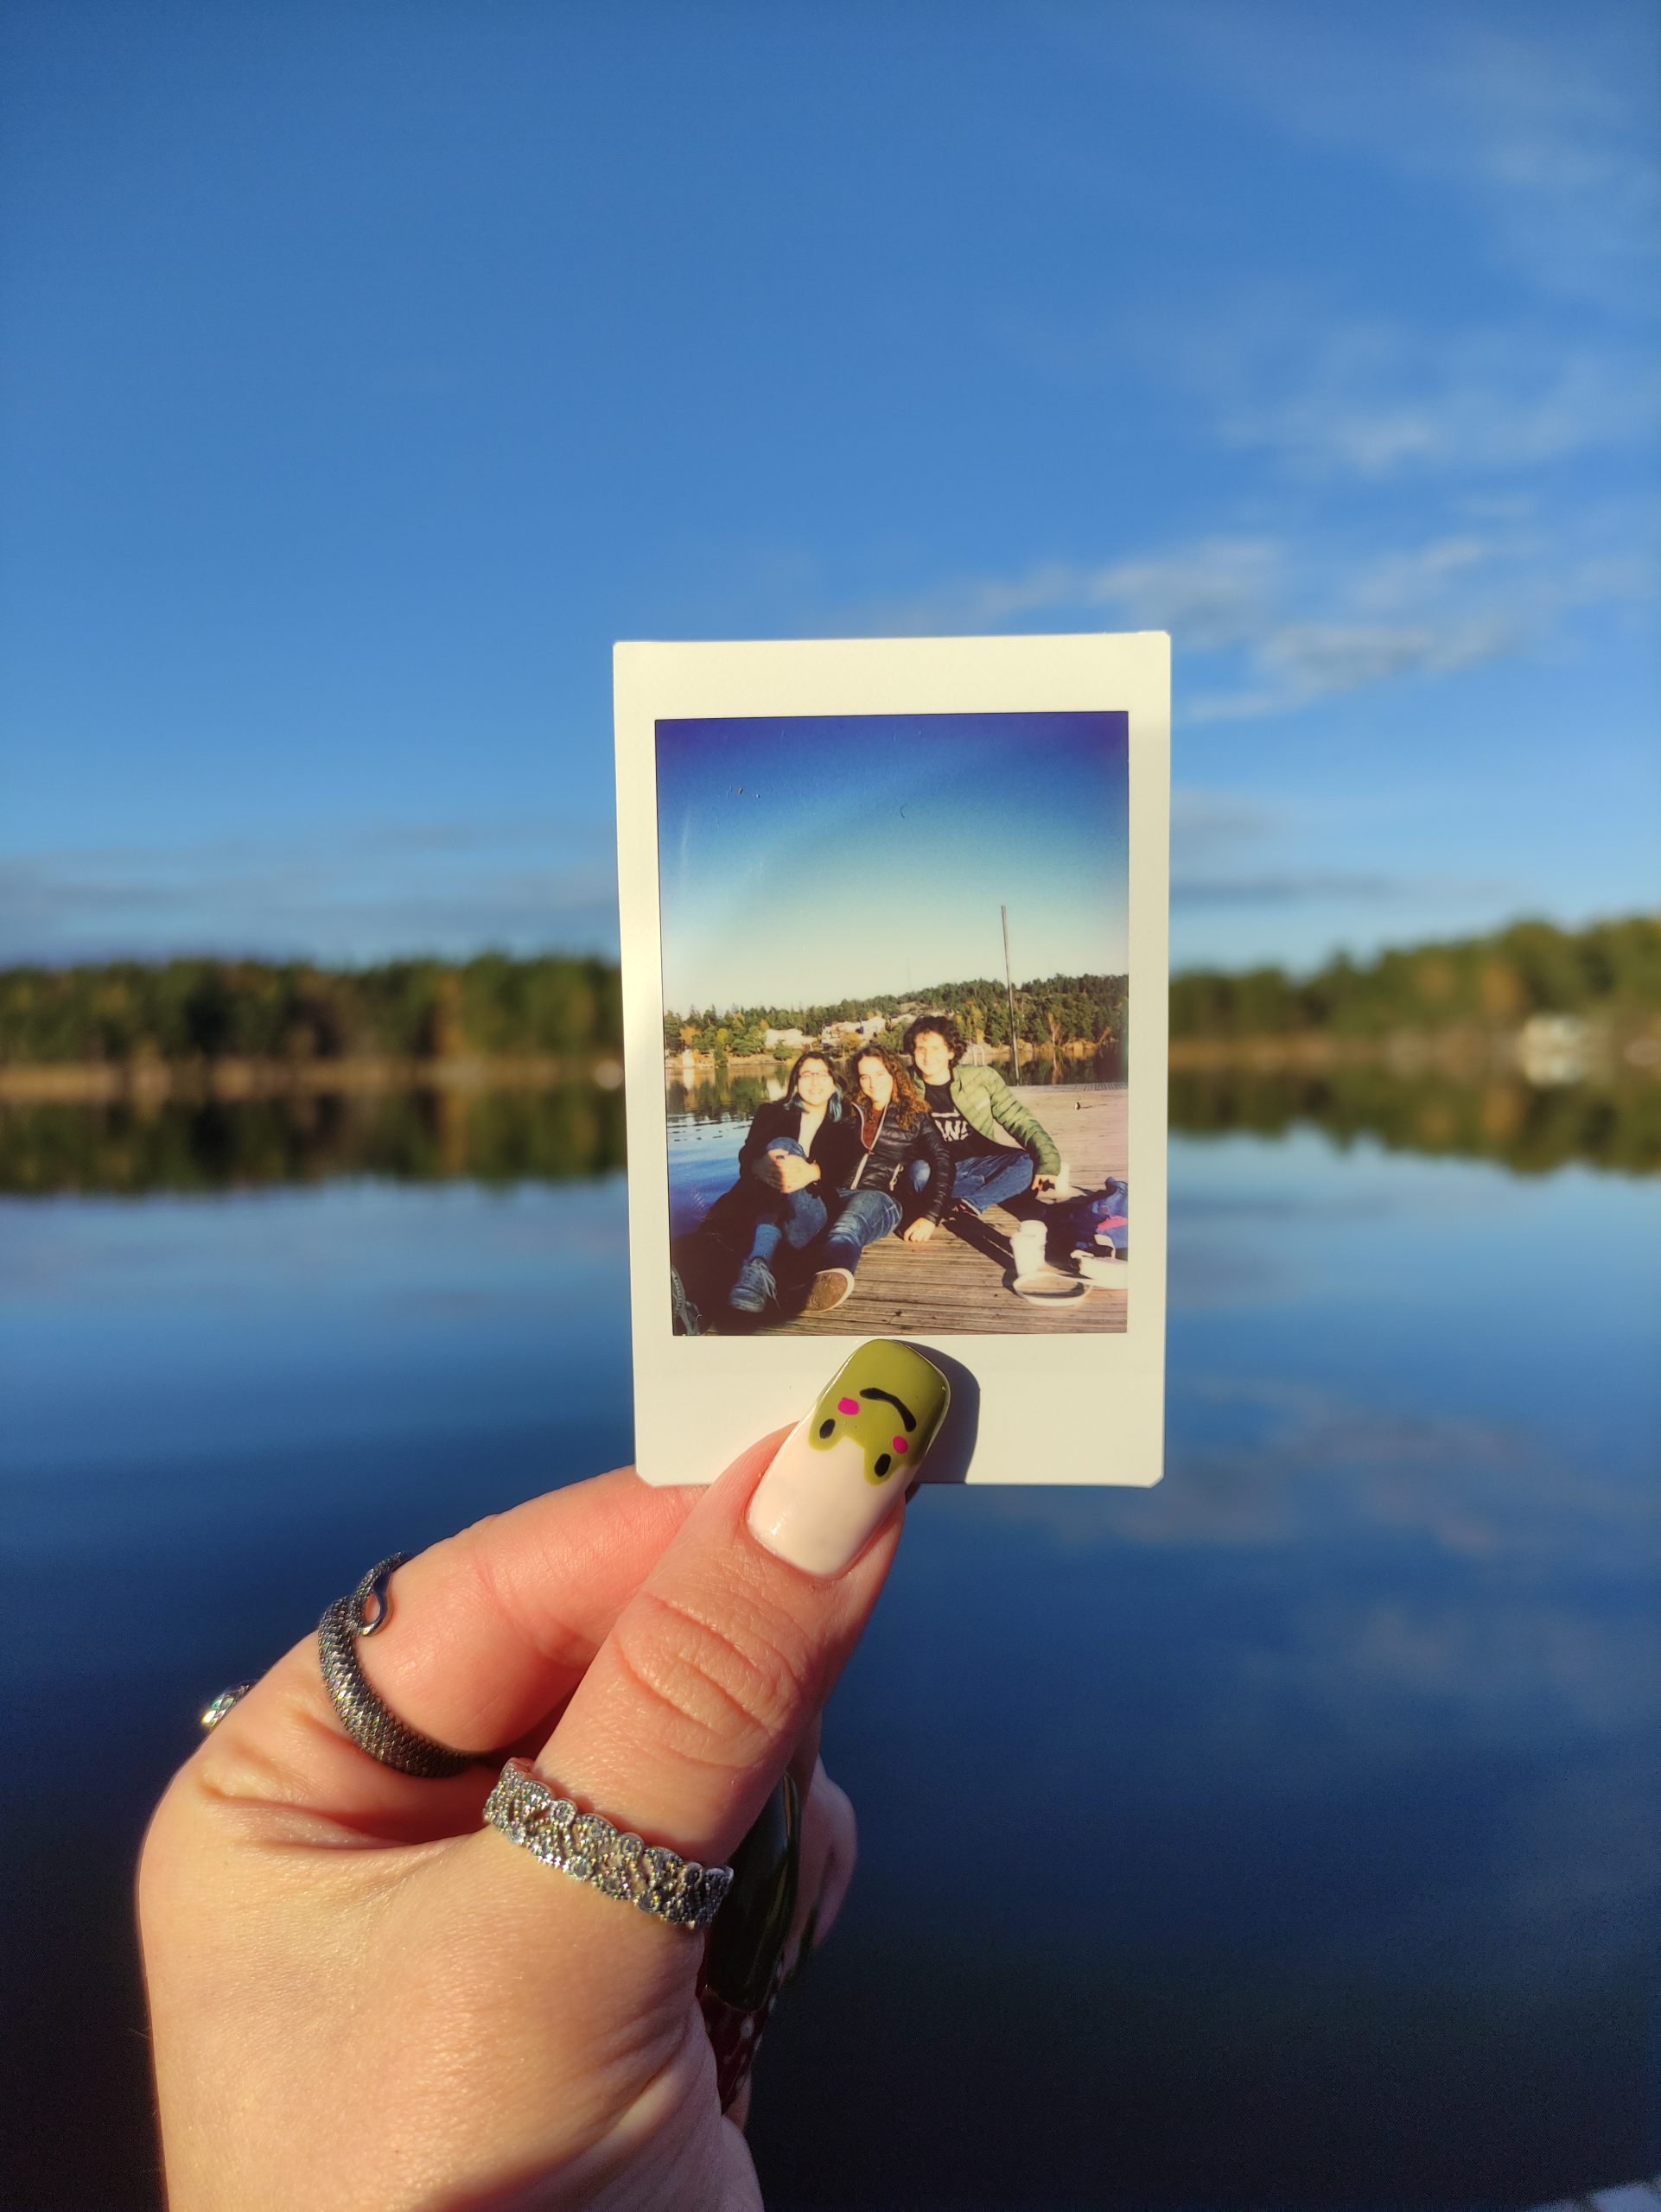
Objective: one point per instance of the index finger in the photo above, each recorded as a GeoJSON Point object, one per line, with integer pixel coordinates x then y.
{"type": "Point", "coordinates": [488, 1633]}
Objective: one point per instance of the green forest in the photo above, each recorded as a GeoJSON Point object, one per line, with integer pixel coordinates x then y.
{"type": "Point", "coordinates": [174, 1010]}
{"type": "Point", "coordinates": [1056, 1011]}
{"type": "Point", "coordinates": [499, 1006]}
{"type": "Point", "coordinates": [1494, 983]}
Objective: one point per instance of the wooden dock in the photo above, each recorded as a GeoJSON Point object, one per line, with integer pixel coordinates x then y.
{"type": "Point", "coordinates": [958, 1282]}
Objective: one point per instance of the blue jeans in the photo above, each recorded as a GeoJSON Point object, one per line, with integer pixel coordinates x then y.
{"type": "Point", "coordinates": [792, 1217]}
{"type": "Point", "coordinates": [985, 1178]}
{"type": "Point", "coordinates": [865, 1215]}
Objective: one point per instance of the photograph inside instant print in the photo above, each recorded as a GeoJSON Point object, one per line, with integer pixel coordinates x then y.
{"type": "Point", "coordinates": [896, 1017]}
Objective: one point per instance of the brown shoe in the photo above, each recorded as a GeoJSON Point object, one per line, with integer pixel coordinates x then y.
{"type": "Point", "coordinates": [832, 1286]}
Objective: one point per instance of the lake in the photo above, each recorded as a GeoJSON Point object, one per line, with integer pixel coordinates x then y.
{"type": "Point", "coordinates": [1283, 1836]}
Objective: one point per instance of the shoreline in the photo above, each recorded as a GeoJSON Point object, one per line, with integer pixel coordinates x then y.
{"type": "Point", "coordinates": [198, 1082]}
{"type": "Point", "coordinates": [1588, 1053]}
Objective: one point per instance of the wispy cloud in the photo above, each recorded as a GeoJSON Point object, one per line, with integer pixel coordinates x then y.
{"type": "Point", "coordinates": [1544, 134]}
{"type": "Point", "coordinates": [1294, 664]}
{"type": "Point", "coordinates": [1561, 141]}
{"type": "Point", "coordinates": [1292, 886]}
{"type": "Point", "coordinates": [1215, 592]}
{"type": "Point", "coordinates": [447, 887]}
{"type": "Point", "coordinates": [1374, 404]}
{"type": "Point", "coordinates": [1230, 850]}
{"type": "Point", "coordinates": [1266, 626]}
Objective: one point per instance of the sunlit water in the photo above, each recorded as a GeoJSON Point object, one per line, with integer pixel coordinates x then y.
{"type": "Point", "coordinates": [1284, 1836]}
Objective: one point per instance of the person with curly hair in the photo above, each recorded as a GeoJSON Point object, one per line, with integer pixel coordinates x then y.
{"type": "Point", "coordinates": [975, 1112]}
{"type": "Point", "coordinates": [897, 1134]}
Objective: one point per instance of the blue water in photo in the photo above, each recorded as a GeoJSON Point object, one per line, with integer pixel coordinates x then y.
{"type": "Point", "coordinates": [702, 1163]}
{"type": "Point", "coordinates": [1283, 1836]}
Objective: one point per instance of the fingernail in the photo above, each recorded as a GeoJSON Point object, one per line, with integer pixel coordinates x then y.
{"type": "Point", "coordinates": [840, 1472]}
{"type": "Point", "coordinates": [742, 1963]}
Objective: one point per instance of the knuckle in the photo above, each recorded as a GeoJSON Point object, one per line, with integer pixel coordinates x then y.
{"type": "Point", "coordinates": [725, 1693]}
{"type": "Point", "coordinates": [479, 1581]}
{"type": "Point", "coordinates": [491, 1584]}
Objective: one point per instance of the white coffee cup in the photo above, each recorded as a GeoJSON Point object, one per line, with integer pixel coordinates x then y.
{"type": "Point", "coordinates": [1027, 1244]}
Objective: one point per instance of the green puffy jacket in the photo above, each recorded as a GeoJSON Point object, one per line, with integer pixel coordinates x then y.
{"type": "Point", "coordinates": [987, 1104]}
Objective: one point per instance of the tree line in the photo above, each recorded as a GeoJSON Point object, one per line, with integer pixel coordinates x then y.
{"type": "Point", "coordinates": [1493, 982]}
{"type": "Point", "coordinates": [182, 1010]}
{"type": "Point", "coordinates": [500, 1005]}
{"type": "Point", "coordinates": [1050, 1013]}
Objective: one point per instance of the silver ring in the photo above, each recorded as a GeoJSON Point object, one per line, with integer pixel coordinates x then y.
{"type": "Point", "coordinates": [590, 1849]}
{"type": "Point", "coordinates": [216, 1708]}
{"type": "Point", "coordinates": [371, 1723]}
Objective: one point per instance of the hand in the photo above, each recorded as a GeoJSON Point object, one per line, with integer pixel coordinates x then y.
{"type": "Point", "coordinates": [919, 1231]}
{"type": "Point", "coordinates": [361, 1997]}
{"type": "Point", "coordinates": [795, 1173]}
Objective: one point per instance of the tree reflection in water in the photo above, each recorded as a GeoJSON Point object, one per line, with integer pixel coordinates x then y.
{"type": "Point", "coordinates": [549, 1135]}
{"type": "Point", "coordinates": [575, 1130]}
{"type": "Point", "coordinates": [1530, 1128]}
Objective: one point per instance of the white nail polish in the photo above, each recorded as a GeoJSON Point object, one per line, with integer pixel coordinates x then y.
{"type": "Point", "coordinates": [844, 1468]}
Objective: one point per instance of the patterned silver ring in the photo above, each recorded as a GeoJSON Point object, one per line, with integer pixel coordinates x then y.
{"type": "Point", "coordinates": [372, 1724]}
{"type": "Point", "coordinates": [216, 1708]}
{"type": "Point", "coordinates": [587, 1848]}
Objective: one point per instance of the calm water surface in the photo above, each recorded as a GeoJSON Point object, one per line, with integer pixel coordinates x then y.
{"type": "Point", "coordinates": [1283, 1837]}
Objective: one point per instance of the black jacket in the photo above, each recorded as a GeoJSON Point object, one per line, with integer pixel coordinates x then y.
{"type": "Point", "coordinates": [893, 1151]}
{"type": "Point", "coordinates": [836, 1151]}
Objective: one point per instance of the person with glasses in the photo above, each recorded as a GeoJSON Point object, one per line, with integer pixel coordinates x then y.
{"type": "Point", "coordinates": [796, 1153]}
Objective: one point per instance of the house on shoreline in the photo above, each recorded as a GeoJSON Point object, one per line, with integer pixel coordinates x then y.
{"type": "Point", "coordinates": [846, 1034]}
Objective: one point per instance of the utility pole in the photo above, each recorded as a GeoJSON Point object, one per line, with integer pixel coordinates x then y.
{"type": "Point", "coordinates": [1008, 977]}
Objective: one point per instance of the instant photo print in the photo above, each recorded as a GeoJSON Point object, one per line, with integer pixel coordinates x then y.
{"type": "Point", "coordinates": [894, 993]}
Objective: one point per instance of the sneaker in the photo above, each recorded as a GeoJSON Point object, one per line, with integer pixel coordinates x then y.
{"type": "Point", "coordinates": [755, 1290]}
{"type": "Point", "coordinates": [687, 1320]}
{"type": "Point", "coordinates": [832, 1286]}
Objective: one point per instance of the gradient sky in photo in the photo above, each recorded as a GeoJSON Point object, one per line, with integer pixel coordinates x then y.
{"type": "Point", "coordinates": [806, 859]}
{"type": "Point", "coordinates": [366, 370]}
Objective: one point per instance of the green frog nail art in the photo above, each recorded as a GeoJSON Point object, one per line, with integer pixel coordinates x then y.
{"type": "Point", "coordinates": [887, 1401]}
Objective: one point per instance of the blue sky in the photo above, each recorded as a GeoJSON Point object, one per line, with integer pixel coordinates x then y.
{"type": "Point", "coordinates": [806, 859]}
{"type": "Point", "coordinates": [367, 370]}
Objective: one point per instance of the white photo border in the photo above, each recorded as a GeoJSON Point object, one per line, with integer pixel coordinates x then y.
{"type": "Point", "coordinates": [1084, 1407]}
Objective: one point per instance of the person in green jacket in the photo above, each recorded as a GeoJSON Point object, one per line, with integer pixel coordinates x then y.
{"type": "Point", "coordinates": [969, 1106]}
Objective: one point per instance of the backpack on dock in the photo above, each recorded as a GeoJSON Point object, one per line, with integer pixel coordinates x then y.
{"type": "Point", "coordinates": [1099, 1224]}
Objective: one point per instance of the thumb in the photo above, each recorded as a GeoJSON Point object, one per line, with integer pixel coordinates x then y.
{"type": "Point", "coordinates": [709, 1676]}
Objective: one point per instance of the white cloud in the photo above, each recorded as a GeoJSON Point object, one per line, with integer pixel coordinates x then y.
{"type": "Point", "coordinates": [1230, 849]}
{"type": "Point", "coordinates": [1561, 140]}
{"type": "Point", "coordinates": [1306, 661]}
{"type": "Point", "coordinates": [1545, 139]}
{"type": "Point", "coordinates": [1375, 403]}
{"type": "Point", "coordinates": [1266, 625]}
{"type": "Point", "coordinates": [1204, 822]}
{"type": "Point", "coordinates": [1215, 593]}
{"type": "Point", "coordinates": [447, 887]}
